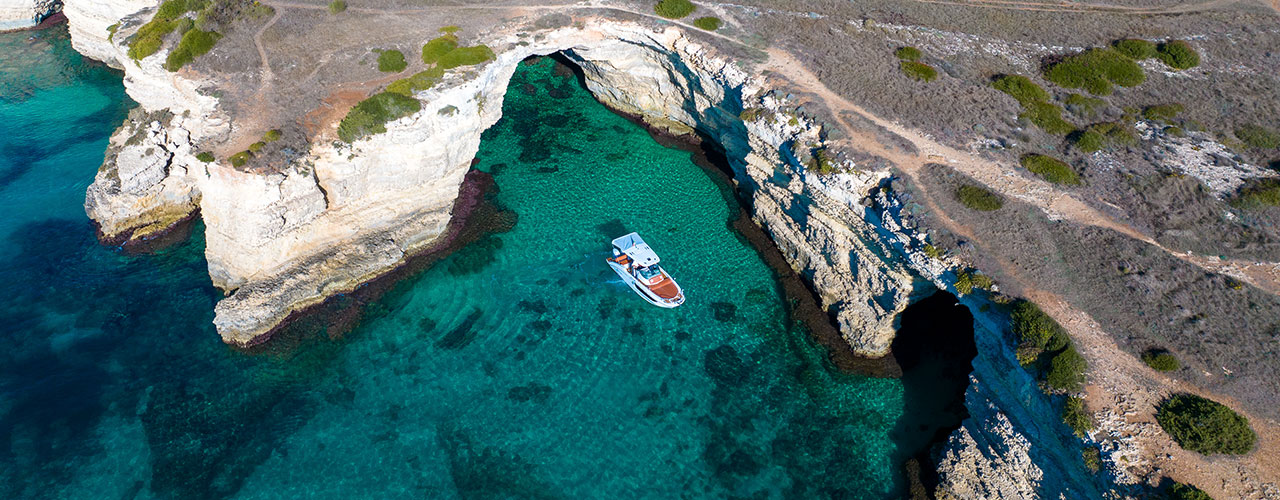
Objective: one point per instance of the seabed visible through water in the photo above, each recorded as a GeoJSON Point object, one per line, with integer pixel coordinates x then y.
{"type": "Point", "coordinates": [518, 366]}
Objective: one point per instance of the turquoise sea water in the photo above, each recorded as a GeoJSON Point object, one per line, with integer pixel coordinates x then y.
{"type": "Point", "coordinates": [518, 367]}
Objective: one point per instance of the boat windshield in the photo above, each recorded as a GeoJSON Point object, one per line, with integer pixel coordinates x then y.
{"type": "Point", "coordinates": [649, 272]}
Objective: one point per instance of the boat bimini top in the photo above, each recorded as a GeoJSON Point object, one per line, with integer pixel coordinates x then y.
{"type": "Point", "coordinates": [636, 249]}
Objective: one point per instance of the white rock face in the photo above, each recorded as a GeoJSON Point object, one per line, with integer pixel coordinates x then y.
{"type": "Point", "coordinates": [18, 14]}
{"type": "Point", "coordinates": [346, 214]}
{"type": "Point", "coordinates": [89, 21]}
{"type": "Point", "coordinates": [991, 465]}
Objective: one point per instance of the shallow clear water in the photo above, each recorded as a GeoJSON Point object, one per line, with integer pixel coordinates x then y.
{"type": "Point", "coordinates": [518, 367]}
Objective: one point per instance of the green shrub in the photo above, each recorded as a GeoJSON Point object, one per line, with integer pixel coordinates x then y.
{"type": "Point", "coordinates": [1183, 491]}
{"type": "Point", "coordinates": [1087, 140]}
{"type": "Point", "coordinates": [978, 198]}
{"type": "Point", "coordinates": [908, 53]}
{"type": "Point", "coordinates": [932, 252]}
{"type": "Point", "coordinates": [1051, 169]}
{"type": "Point", "coordinates": [421, 80]}
{"type": "Point", "coordinates": [1161, 360]}
{"type": "Point", "coordinates": [1095, 70]}
{"type": "Point", "coordinates": [674, 9]}
{"type": "Point", "coordinates": [337, 6]}
{"type": "Point", "coordinates": [1021, 88]}
{"type": "Point", "coordinates": [1103, 135]}
{"type": "Point", "coordinates": [918, 71]}
{"type": "Point", "coordinates": [206, 157]}
{"type": "Point", "coordinates": [1204, 426]}
{"type": "Point", "coordinates": [1258, 137]}
{"type": "Point", "coordinates": [1178, 54]}
{"type": "Point", "coordinates": [751, 114]}
{"type": "Point", "coordinates": [194, 43]}
{"type": "Point", "coordinates": [466, 56]}
{"type": "Point", "coordinates": [111, 31]}
{"type": "Point", "coordinates": [272, 135]}
{"type": "Point", "coordinates": [241, 158]}
{"type": "Point", "coordinates": [150, 37]}
{"type": "Point", "coordinates": [371, 115]}
{"type": "Point", "coordinates": [438, 47]}
{"type": "Point", "coordinates": [391, 61]}
{"type": "Point", "coordinates": [1066, 370]}
{"type": "Point", "coordinates": [967, 280]}
{"type": "Point", "coordinates": [1047, 116]}
{"type": "Point", "coordinates": [257, 146]}
{"type": "Point", "coordinates": [1083, 105]}
{"type": "Point", "coordinates": [1135, 49]}
{"type": "Point", "coordinates": [1076, 416]}
{"type": "Point", "coordinates": [1092, 459]}
{"type": "Point", "coordinates": [822, 162]}
{"type": "Point", "coordinates": [1162, 112]}
{"type": "Point", "coordinates": [1032, 326]}
{"type": "Point", "coordinates": [709, 23]}
{"type": "Point", "coordinates": [449, 30]}
{"type": "Point", "coordinates": [1259, 193]}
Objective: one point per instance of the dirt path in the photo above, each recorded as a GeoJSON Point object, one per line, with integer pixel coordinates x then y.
{"type": "Point", "coordinates": [1123, 391]}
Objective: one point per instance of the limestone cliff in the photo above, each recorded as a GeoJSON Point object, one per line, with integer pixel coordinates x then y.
{"type": "Point", "coordinates": [342, 214]}
{"type": "Point", "coordinates": [281, 241]}
{"type": "Point", "coordinates": [18, 14]}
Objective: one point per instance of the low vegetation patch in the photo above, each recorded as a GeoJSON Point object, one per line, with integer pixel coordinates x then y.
{"type": "Point", "coordinates": [968, 280]}
{"type": "Point", "coordinates": [674, 9]}
{"type": "Point", "coordinates": [1258, 137]}
{"type": "Point", "coordinates": [272, 135]}
{"type": "Point", "coordinates": [1066, 370]}
{"type": "Point", "coordinates": [444, 51]}
{"type": "Point", "coordinates": [466, 56]}
{"type": "Point", "coordinates": [1162, 112]}
{"type": "Point", "coordinates": [918, 71]}
{"type": "Point", "coordinates": [1178, 54]}
{"type": "Point", "coordinates": [371, 115]}
{"type": "Point", "coordinates": [438, 47]}
{"type": "Point", "coordinates": [240, 159]}
{"type": "Point", "coordinates": [709, 23]}
{"type": "Point", "coordinates": [391, 61]}
{"type": "Point", "coordinates": [420, 81]}
{"type": "Point", "coordinates": [1095, 70]}
{"type": "Point", "coordinates": [1036, 107]}
{"type": "Point", "coordinates": [1183, 491]}
{"type": "Point", "coordinates": [205, 157]}
{"type": "Point", "coordinates": [1077, 417]}
{"type": "Point", "coordinates": [1092, 459]}
{"type": "Point", "coordinates": [1020, 88]}
{"type": "Point", "coordinates": [1205, 426]}
{"type": "Point", "coordinates": [822, 162]}
{"type": "Point", "coordinates": [1258, 194]}
{"type": "Point", "coordinates": [978, 198]}
{"type": "Point", "coordinates": [1083, 105]}
{"type": "Point", "coordinates": [1035, 330]}
{"type": "Point", "coordinates": [1051, 169]}
{"type": "Point", "coordinates": [337, 6]}
{"type": "Point", "coordinates": [1047, 116]}
{"type": "Point", "coordinates": [1161, 360]}
{"type": "Point", "coordinates": [1135, 49]}
{"type": "Point", "coordinates": [1103, 135]}
{"type": "Point", "coordinates": [908, 53]}
{"type": "Point", "coordinates": [194, 43]}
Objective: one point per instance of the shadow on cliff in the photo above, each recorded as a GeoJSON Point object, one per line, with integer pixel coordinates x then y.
{"type": "Point", "coordinates": [935, 348]}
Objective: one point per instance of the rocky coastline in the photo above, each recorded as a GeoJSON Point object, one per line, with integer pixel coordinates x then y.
{"type": "Point", "coordinates": [285, 243]}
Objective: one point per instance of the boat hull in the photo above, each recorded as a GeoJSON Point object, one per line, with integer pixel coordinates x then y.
{"type": "Point", "coordinates": [644, 291]}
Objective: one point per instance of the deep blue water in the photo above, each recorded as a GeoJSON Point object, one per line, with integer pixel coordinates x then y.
{"type": "Point", "coordinates": [518, 367]}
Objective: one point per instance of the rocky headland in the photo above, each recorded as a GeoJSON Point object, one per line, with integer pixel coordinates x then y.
{"type": "Point", "coordinates": [841, 190]}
